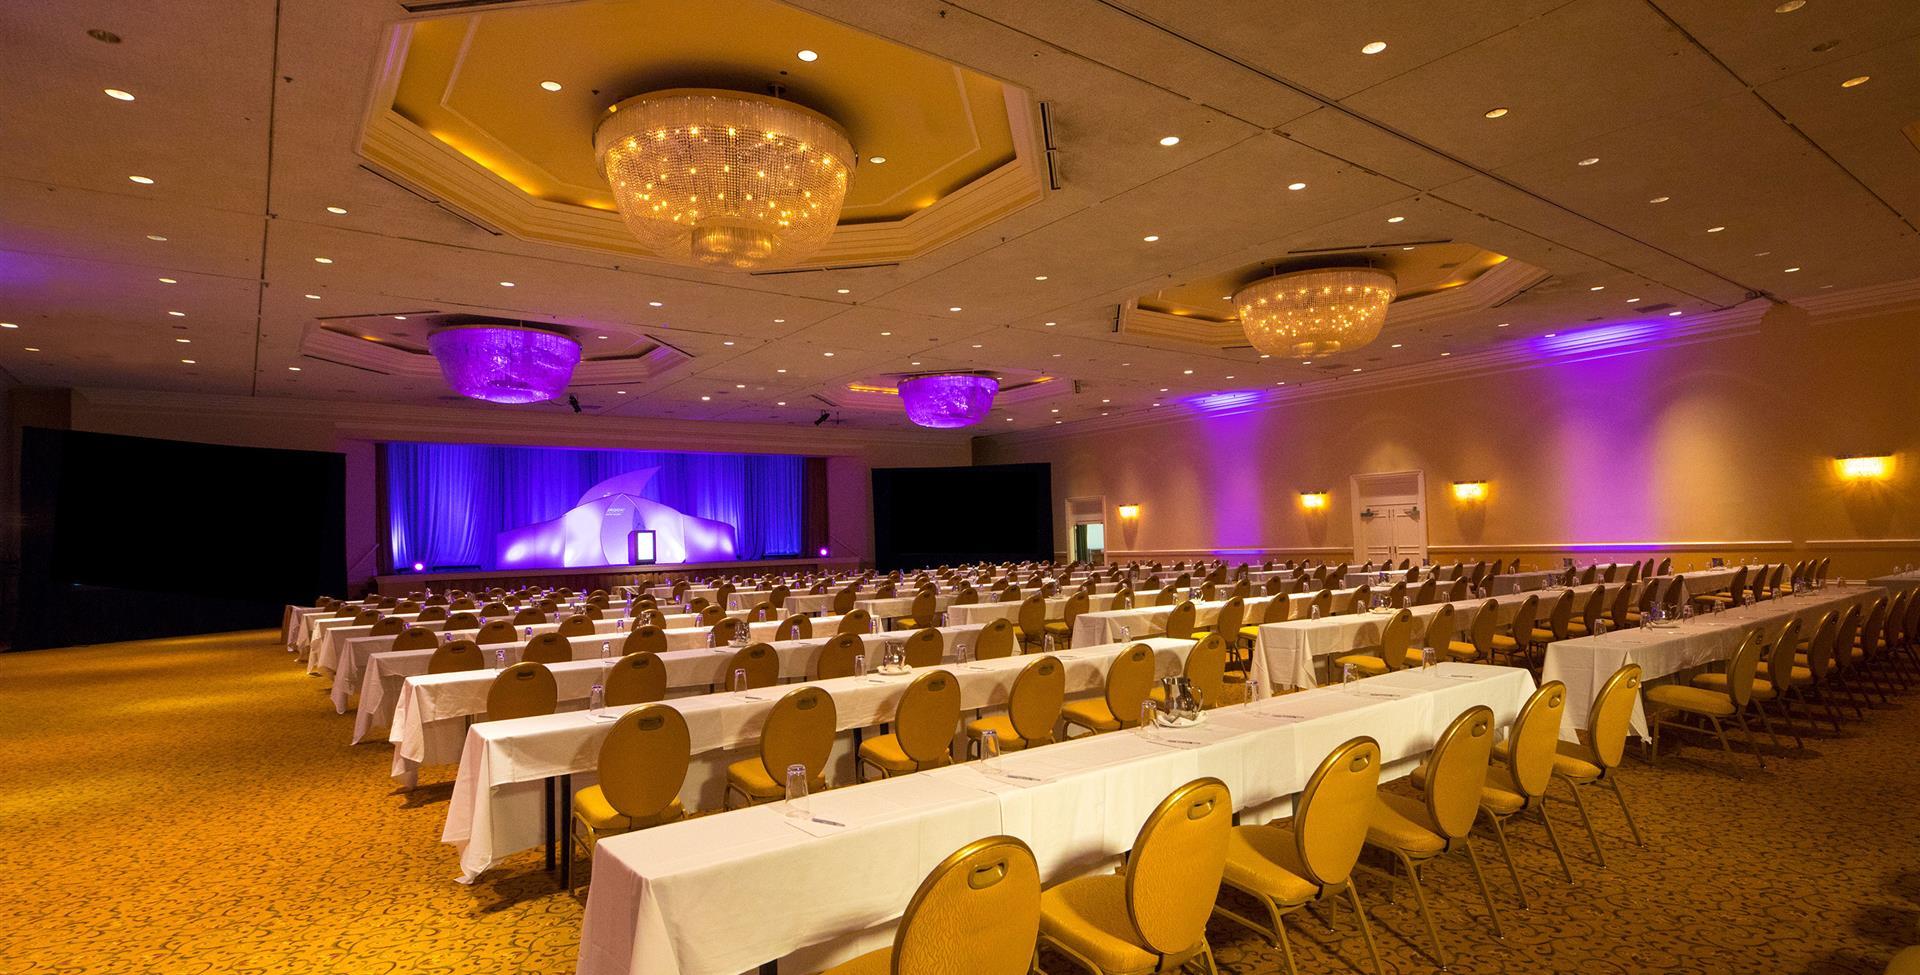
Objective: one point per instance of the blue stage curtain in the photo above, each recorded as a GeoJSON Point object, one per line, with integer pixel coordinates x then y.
{"type": "Point", "coordinates": [446, 502]}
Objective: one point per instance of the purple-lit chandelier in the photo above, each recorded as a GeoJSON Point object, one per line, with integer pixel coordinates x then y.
{"type": "Point", "coordinates": [505, 363]}
{"type": "Point", "coordinates": [949, 399]}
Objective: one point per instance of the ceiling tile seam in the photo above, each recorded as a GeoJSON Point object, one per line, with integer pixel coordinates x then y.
{"type": "Point", "coordinates": [1410, 140]}
{"type": "Point", "coordinates": [1778, 114]}
{"type": "Point", "coordinates": [266, 207]}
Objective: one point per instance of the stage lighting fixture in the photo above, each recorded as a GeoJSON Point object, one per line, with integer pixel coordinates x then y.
{"type": "Point", "coordinates": [823, 418]}
{"type": "Point", "coordinates": [573, 401]}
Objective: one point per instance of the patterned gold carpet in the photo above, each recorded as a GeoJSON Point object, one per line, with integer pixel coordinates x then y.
{"type": "Point", "coordinates": [189, 806]}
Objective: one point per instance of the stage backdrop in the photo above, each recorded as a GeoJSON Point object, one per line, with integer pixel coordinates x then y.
{"type": "Point", "coordinates": [464, 506]}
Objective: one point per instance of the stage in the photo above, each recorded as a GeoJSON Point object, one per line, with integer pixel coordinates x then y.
{"type": "Point", "coordinates": [586, 578]}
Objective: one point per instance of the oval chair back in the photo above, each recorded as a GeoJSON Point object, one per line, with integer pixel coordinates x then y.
{"type": "Point", "coordinates": [1179, 627]}
{"type": "Point", "coordinates": [1820, 645]}
{"type": "Point", "coordinates": [1206, 668]}
{"type": "Point", "coordinates": [1395, 638]}
{"type": "Point", "coordinates": [529, 617]}
{"type": "Point", "coordinates": [1674, 595]}
{"type": "Point", "coordinates": [777, 596]}
{"type": "Point", "coordinates": [1595, 609]}
{"type": "Point", "coordinates": [1458, 769]}
{"type": "Point", "coordinates": [645, 637]}
{"type": "Point", "coordinates": [1035, 701]}
{"type": "Point", "coordinates": [643, 761]}
{"type": "Point", "coordinates": [548, 648]}
{"type": "Point", "coordinates": [843, 600]}
{"type": "Point", "coordinates": [725, 631]}
{"type": "Point", "coordinates": [1440, 629]}
{"type": "Point", "coordinates": [1233, 614]}
{"type": "Point", "coordinates": [1780, 656]}
{"type": "Point", "coordinates": [1129, 681]}
{"type": "Point", "coordinates": [522, 691]}
{"type": "Point", "coordinates": [966, 595]}
{"type": "Point", "coordinates": [1619, 614]}
{"type": "Point", "coordinates": [416, 638]}
{"type": "Point", "coordinates": [710, 615]}
{"type": "Point", "coordinates": [925, 648]}
{"type": "Point", "coordinates": [795, 627]}
{"type": "Point", "coordinates": [1331, 816]}
{"type": "Point", "coordinates": [429, 614]}
{"type": "Point", "coordinates": [762, 666]}
{"type": "Point", "coordinates": [496, 631]}
{"type": "Point", "coordinates": [924, 722]}
{"type": "Point", "coordinates": [996, 640]}
{"type": "Point", "coordinates": [1840, 657]}
{"type": "Point", "coordinates": [835, 659]}
{"type": "Point", "coordinates": [799, 731]}
{"type": "Point", "coordinates": [1480, 633]}
{"type": "Point", "coordinates": [1396, 595]}
{"type": "Point", "coordinates": [1033, 617]}
{"type": "Point", "coordinates": [1560, 616]}
{"type": "Point", "coordinates": [1535, 739]}
{"type": "Point", "coordinates": [495, 610]}
{"type": "Point", "coordinates": [461, 621]}
{"type": "Point", "coordinates": [579, 624]}
{"type": "Point", "coordinates": [1742, 667]}
{"type": "Point", "coordinates": [985, 895]}
{"type": "Point", "coordinates": [1427, 593]}
{"type": "Point", "coordinates": [1278, 609]}
{"type": "Point", "coordinates": [366, 617]}
{"type": "Point", "coordinates": [388, 626]}
{"type": "Point", "coordinates": [761, 612]}
{"type": "Point", "coordinates": [637, 678]}
{"type": "Point", "coordinates": [455, 656]}
{"type": "Point", "coordinates": [1174, 870]}
{"type": "Point", "coordinates": [1322, 601]}
{"type": "Point", "coordinates": [1612, 716]}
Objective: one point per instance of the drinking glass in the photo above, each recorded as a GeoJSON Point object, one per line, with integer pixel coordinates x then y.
{"type": "Point", "coordinates": [597, 699]}
{"type": "Point", "coordinates": [962, 652]}
{"type": "Point", "coordinates": [1347, 674]}
{"type": "Point", "coordinates": [1427, 655]}
{"type": "Point", "coordinates": [529, 632]}
{"type": "Point", "coordinates": [740, 681]}
{"type": "Point", "coordinates": [873, 624]}
{"type": "Point", "coordinates": [1148, 713]}
{"type": "Point", "coordinates": [859, 665]}
{"type": "Point", "coordinates": [1126, 633]}
{"type": "Point", "coordinates": [1046, 643]}
{"type": "Point", "coordinates": [606, 650]}
{"type": "Point", "coordinates": [990, 751]}
{"type": "Point", "coordinates": [710, 638]}
{"type": "Point", "coordinates": [1313, 612]}
{"type": "Point", "coordinates": [798, 806]}
{"type": "Point", "coordinates": [500, 659]}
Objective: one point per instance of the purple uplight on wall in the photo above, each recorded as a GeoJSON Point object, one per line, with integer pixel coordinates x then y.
{"type": "Point", "coordinates": [503, 363]}
{"type": "Point", "coordinates": [823, 551]}
{"type": "Point", "coordinates": [948, 400]}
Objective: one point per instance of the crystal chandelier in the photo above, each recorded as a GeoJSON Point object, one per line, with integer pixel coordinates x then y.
{"type": "Point", "coordinates": [713, 177]}
{"type": "Point", "coordinates": [1307, 314]}
{"type": "Point", "coordinates": [505, 363]}
{"type": "Point", "coordinates": [947, 400]}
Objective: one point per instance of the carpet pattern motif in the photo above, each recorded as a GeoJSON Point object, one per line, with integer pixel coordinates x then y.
{"type": "Point", "coordinates": [191, 806]}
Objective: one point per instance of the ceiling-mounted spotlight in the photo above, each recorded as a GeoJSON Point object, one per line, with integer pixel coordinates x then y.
{"type": "Point", "coordinates": [823, 418]}
{"type": "Point", "coordinates": [573, 401]}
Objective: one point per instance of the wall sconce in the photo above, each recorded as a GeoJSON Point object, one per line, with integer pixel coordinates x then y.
{"type": "Point", "coordinates": [1313, 500]}
{"type": "Point", "coordinates": [1129, 512]}
{"type": "Point", "coordinates": [1865, 468]}
{"type": "Point", "coordinates": [1468, 492]}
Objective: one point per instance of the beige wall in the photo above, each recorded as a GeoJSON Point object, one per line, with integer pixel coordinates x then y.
{"type": "Point", "coordinates": [1713, 445]}
{"type": "Point", "coordinates": [353, 429]}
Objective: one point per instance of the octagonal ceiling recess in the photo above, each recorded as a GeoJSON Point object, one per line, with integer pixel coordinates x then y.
{"type": "Point", "coordinates": [460, 112]}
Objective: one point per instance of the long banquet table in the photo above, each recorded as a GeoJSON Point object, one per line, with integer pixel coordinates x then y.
{"type": "Point", "coordinates": [1584, 664]}
{"type": "Point", "coordinates": [496, 807]}
{"type": "Point", "coordinates": [652, 910]}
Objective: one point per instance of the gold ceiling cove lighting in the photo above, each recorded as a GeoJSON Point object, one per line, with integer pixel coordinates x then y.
{"type": "Point", "coordinates": [710, 177]}
{"type": "Point", "coordinates": [1305, 314]}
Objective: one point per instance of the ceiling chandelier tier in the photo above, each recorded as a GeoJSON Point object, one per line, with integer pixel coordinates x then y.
{"type": "Point", "coordinates": [505, 363]}
{"type": "Point", "coordinates": [949, 399]}
{"type": "Point", "coordinates": [1307, 314]}
{"type": "Point", "coordinates": [724, 178]}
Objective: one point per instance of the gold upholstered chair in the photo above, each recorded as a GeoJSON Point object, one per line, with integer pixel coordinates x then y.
{"type": "Point", "coordinates": [548, 648]}
{"type": "Point", "coordinates": [522, 691]}
{"type": "Point", "coordinates": [923, 725]}
{"type": "Point", "coordinates": [1033, 709]}
{"type": "Point", "coordinates": [643, 764]}
{"type": "Point", "coordinates": [1129, 679]}
{"type": "Point", "coordinates": [1391, 652]}
{"type": "Point", "coordinates": [798, 731]}
{"type": "Point", "coordinates": [456, 655]}
{"type": "Point", "coordinates": [637, 678]}
{"type": "Point", "coordinates": [985, 896]}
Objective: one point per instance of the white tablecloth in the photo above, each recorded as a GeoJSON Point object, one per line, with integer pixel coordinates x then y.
{"type": "Point", "coordinates": [496, 805]}
{"type": "Point", "coordinates": [898, 606]}
{"type": "Point", "coordinates": [350, 663]}
{"type": "Point", "coordinates": [1584, 664]}
{"type": "Point", "coordinates": [653, 909]}
{"type": "Point", "coordinates": [979, 614]}
{"type": "Point", "coordinates": [1897, 581]}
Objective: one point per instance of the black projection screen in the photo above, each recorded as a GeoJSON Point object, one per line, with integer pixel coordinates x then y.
{"type": "Point", "coordinates": [927, 516]}
{"type": "Point", "coordinates": [128, 537]}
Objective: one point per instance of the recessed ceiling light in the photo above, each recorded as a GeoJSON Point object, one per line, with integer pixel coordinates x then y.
{"type": "Point", "coordinates": [653, 304]}
{"type": "Point", "coordinates": [1792, 269]}
{"type": "Point", "coordinates": [1632, 300]}
{"type": "Point", "coordinates": [1150, 238]}
{"type": "Point", "coordinates": [1497, 113]}
{"type": "Point", "coordinates": [1396, 219]}
{"type": "Point", "coordinates": [976, 345]}
{"type": "Point", "coordinates": [1164, 388]}
{"type": "Point", "coordinates": [845, 291]}
{"type": "Point", "coordinates": [178, 314]}
{"type": "Point", "coordinates": [884, 334]}
{"type": "Point", "coordinates": [1590, 160]}
{"type": "Point", "coordinates": [1264, 355]}
{"type": "Point", "coordinates": [739, 385]}
{"type": "Point", "coordinates": [184, 341]}
{"type": "Point", "coordinates": [781, 403]}
{"type": "Point", "coordinates": [187, 361]}
{"type": "Point", "coordinates": [1715, 230]}
{"type": "Point", "coordinates": [1187, 372]}
{"type": "Point", "coordinates": [1857, 81]}
{"type": "Point", "coordinates": [1598, 287]}
{"type": "Point", "coordinates": [727, 342]}
{"type": "Point", "coordinates": [779, 321]}
{"type": "Point", "coordinates": [1047, 324]}
{"type": "Point", "coordinates": [32, 349]}
{"type": "Point", "coordinates": [8, 325]}
{"type": "Point", "coordinates": [1660, 199]}
{"type": "Point", "coordinates": [1106, 401]}
{"type": "Point", "coordinates": [1056, 409]}
{"type": "Point", "coordinates": [551, 85]}
{"type": "Point", "coordinates": [1675, 314]}
{"type": "Point", "coordinates": [1395, 345]}
{"type": "Point", "coordinates": [337, 210]}
{"type": "Point", "coordinates": [1374, 47]}
{"type": "Point", "coordinates": [1790, 6]}
{"type": "Point", "coordinates": [706, 399]}
{"type": "Point", "coordinates": [314, 297]}
{"type": "Point", "coordinates": [1171, 140]}
{"type": "Point", "coordinates": [118, 95]}
{"type": "Point", "coordinates": [1503, 325]}
{"type": "Point", "coordinates": [169, 281]}
{"type": "Point", "coordinates": [506, 284]}
{"type": "Point", "coordinates": [877, 160]}
{"type": "Point", "coordinates": [1039, 277]}
{"type": "Point", "coordinates": [1550, 335]}
{"type": "Point", "coordinates": [1356, 368]}
{"type": "Point", "coordinates": [1445, 354]}
{"type": "Point", "coordinates": [913, 363]}
{"type": "Point", "coordinates": [156, 237]}
{"type": "Point", "coordinates": [1296, 186]}
{"type": "Point", "coordinates": [806, 55]}
{"type": "Point", "coordinates": [1056, 355]}
{"type": "Point", "coordinates": [323, 260]}
{"type": "Point", "coordinates": [619, 392]}
{"type": "Point", "coordinates": [142, 180]}
{"type": "Point", "coordinates": [1307, 362]}
{"type": "Point", "coordinates": [399, 318]}
{"type": "Point", "coordinates": [827, 354]}
{"type": "Point", "coordinates": [601, 337]}
{"type": "Point", "coordinates": [293, 368]}
{"type": "Point", "coordinates": [954, 308]}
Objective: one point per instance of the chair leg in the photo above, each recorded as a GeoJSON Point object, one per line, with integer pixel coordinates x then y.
{"type": "Point", "coordinates": [1724, 745]}
{"type": "Point", "coordinates": [1366, 928]}
{"type": "Point", "coordinates": [1786, 718]}
{"type": "Point", "coordinates": [1553, 836]}
{"type": "Point", "coordinates": [1614, 784]}
{"type": "Point", "coordinates": [1767, 724]}
{"type": "Point", "coordinates": [1286, 947]}
{"type": "Point", "coordinates": [1506, 853]}
{"type": "Point", "coordinates": [1420, 898]}
{"type": "Point", "coordinates": [1486, 893]}
{"type": "Point", "coordinates": [1746, 731]}
{"type": "Point", "coordinates": [1580, 805]}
